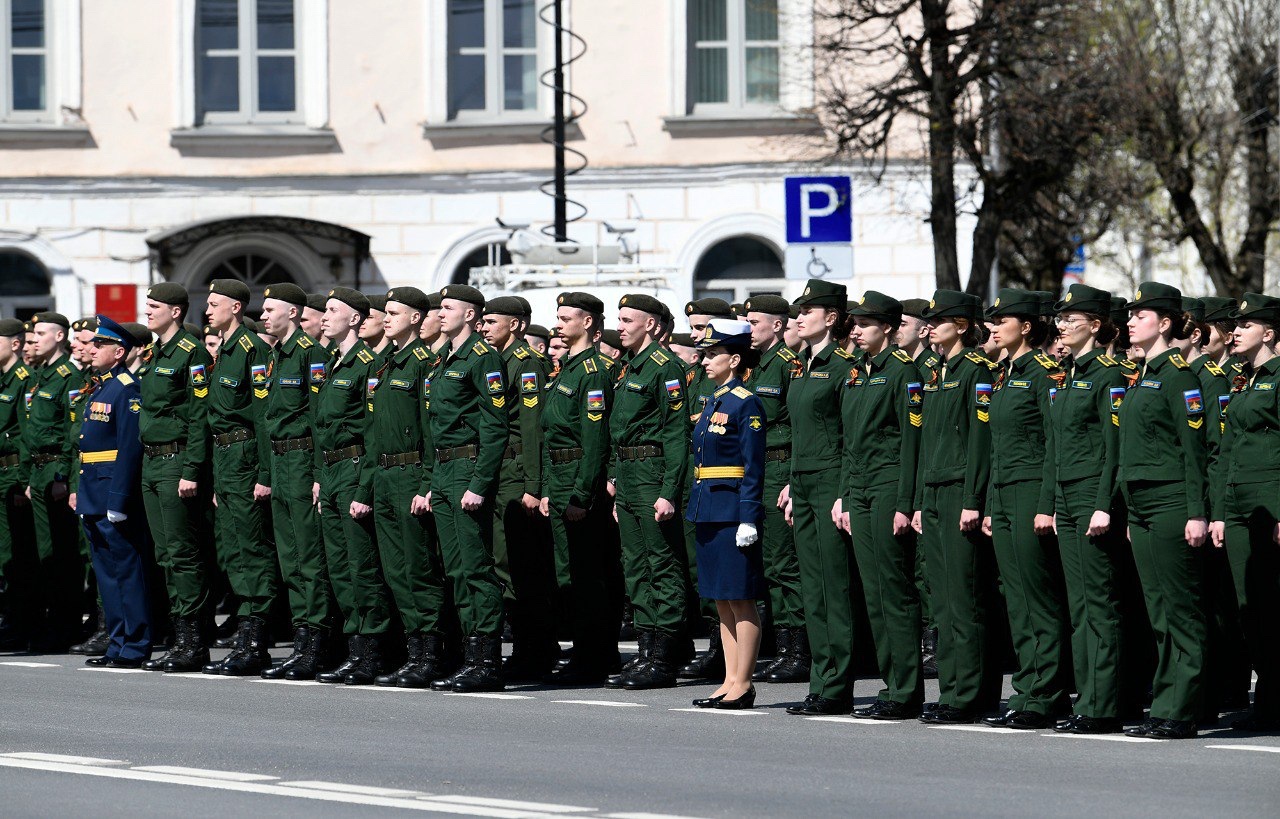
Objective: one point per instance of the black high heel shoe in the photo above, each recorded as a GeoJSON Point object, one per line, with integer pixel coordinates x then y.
{"type": "Point", "coordinates": [708, 702]}
{"type": "Point", "coordinates": [747, 700]}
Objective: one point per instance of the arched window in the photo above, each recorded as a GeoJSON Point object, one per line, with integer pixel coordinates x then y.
{"type": "Point", "coordinates": [737, 268]}
{"type": "Point", "coordinates": [24, 285]}
{"type": "Point", "coordinates": [482, 256]}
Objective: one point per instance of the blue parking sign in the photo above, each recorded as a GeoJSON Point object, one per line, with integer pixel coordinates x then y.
{"type": "Point", "coordinates": [819, 209]}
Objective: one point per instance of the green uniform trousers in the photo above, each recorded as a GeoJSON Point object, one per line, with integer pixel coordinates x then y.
{"type": "Point", "coordinates": [778, 548]}
{"type": "Point", "coordinates": [240, 525]}
{"type": "Point", "coordinates": [927, 619]}
{"type": "Point", "coordinates": [60, 569]}
{"type": "Point", "coordinates": [1091, 568]}
{"type": "Point", "coordinates": [351, 554]}
{"type": "Point", "coordinates": [826, 582]}
{"type": "Point", "coordinates": [1251, 513]}
{"type": "Point", "coordinates": [1031, 574]}
{"type": "Point", "coordinates": [959, 571]}
{"type": "Point", "coordinates": [525, 563]}
{"type": "Point", "coordinates": [653, 554]}
{"type": "Point", "coordinates": [408, 549]}
{"type": "Point", "coordinates": [886, 563]}
{"type": "Point", "coordinates": [17, 548]}
{"type": "Point", "coordinates": [299, 544]}
{"type": "Point", "coordinates": [466, 545]}
{"type": "Point", "coordinates": [1173, 586]}
{"type": "Point", "coordinates": [588, 564]}
{"type": "Point", "coordinates": [179, 529]}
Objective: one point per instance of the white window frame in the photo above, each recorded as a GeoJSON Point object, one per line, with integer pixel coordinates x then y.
{"type": "Point", "coordinates": [437, 47]}
{"type": "Point", "coordinates": [61, 64]}
{"type": "Point", "coordinates": [311, 70]}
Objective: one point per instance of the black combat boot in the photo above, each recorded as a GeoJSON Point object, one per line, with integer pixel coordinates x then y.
{"type": "Point", "coordinates": [301, 636]}
{"type": "Point", "coordinates": [658, 672]}
{"type": "Point", "coordinates": [645, 640]}
{"type": "Point", "coordinates": [710, 664]}
{"type": "Point", "coordinates": [414, 646]}
{"type": "Point", "coordinates": [795, 668]}
{"type": "Point", "coordinates": [308, 665]}
{"type": "Point", "coordinates": [370, 664]}
{"type": "Point", "coordinates": [782, 636]}
{"type": "Point", "coordinates": [485, 674]}
{"type": "Point", "coordinates": [179, 646]}
{"type": "Point", "coordinates": [340, 673]}
{"type": "Point", "coordinates": [472, 654]}
{"type": "Point", "coordinates": [96, 644]}
{"type": "Point", "coordinates": [253, 657]}
{"type": "Point", "coordinates": [191, 653]}
{"type": "Point", "coordinates": [431, 667]}
{"type": "Point", "coordinates": [238, 641]}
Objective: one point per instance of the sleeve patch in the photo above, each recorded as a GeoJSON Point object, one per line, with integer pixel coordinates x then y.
{"type": "Point", "coordinates": [494, 380]}
{"type": "Point", "coordinates": [595, 400]}
{"type": "Point", "coordinates": [318, 372]}
{"type": "Point", "coordinates": [1194, 402]}
{"type": "Point", "coordinates": [1117, 398]}
{"type": "Point", "coordinates": [673, 389]}
{"type": "Point", "coordinates": [982, 395]}
{"type": "Point", "coordinates": [528, 382]}
{"type": "Point", "coordinates": [915, 394]}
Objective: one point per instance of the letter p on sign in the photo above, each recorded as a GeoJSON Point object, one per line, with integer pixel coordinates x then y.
{"type": "Point", "coordinates": [819, 210]}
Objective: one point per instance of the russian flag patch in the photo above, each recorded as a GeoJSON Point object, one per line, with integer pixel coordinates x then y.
{"type": "Point", "coordinates": [595, 399]}
{"type": "Point", "coordinates": [528, 382]}
{"type": "Point", "coordinates": [259, 373]}
{"type": "Point", "coordinates": [317, 372]}
{"type": "Point", "coordinates": [494, 381]}
{"type": "Point", "coordinates": [1195, 404]}
{"type": "Point", "coordinates": [673, 388]}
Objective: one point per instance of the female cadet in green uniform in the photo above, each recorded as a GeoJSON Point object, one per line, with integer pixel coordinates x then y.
{"type": "Point", "coordinates": [1162, 473]}
{"type": "Point", "coordinates": [954, 466]}
{"type": "Point", "coordinates": [825, 577]}
{"type": "Point", "coordinates": [1084, 417]}
{"type": "Point", "coordinates": [1021, 510]}
{"type": "Point", "coordinates": [1250, 501]}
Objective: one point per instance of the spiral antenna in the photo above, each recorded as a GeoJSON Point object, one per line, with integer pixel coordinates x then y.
{"type": "Point", "coordinates": [569, 108]}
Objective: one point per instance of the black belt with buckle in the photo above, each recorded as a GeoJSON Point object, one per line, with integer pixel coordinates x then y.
{"type": "Point", "coordinates": [513, 451]}
{"type": "Point", "coordinates": [282, 445]}
{"type": "Point", "coordinates": [564, 456]}
{"type": "Point", "coordinates": [10, 460]}
{"type": "Point", "coordinates": [233, 437]}
{"type": "Point", "coordinates": [44, 458]}
{"type": "Point", "coordinates": [638, 453]}
{"type": "Point", "coordinates": [453, 453]}
{"type": "Point", "coordinates": [777, 453]}
{"type": "Point", "coordinates": [400, 459]}
{"type": "Point", "coordinates": [161, 450]}
{"type": "Point", "coordinates": [332, 456]}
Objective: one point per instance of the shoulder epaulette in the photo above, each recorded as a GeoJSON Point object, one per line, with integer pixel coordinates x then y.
{"type": "Point", "coordinates": [125, 378]}
{"type": "Point", "coordinates": [1179, 362]}
{"type": "Point", "coordinates": [932, 360]}
{"type": "Point", "coordinates": [608, 362]}
{"type": "Point", "coordinates": [1046, 362]}
{"type": "Point", "coordinates": [479, 348]}
{"type": "Point", "coordinates": [1107, 361]}
{"type": "Point", "coordinates": [522, 353]}
{"type": "Point", "coordinates": [1127, 364]}
{"type": "Point", "coordinates": [786, 353]}
{"type": "Point", "coordinates": [660, 357]}
{"type": "Point", "coordinates": [742, 392]}
{"type": "Point", "coordinates": [64, 371]}
{"type": "Point", "coordinates": [365, 356]}
{"type": "Point", "coordinates": [902, 356]}
{"type": "Point", "coordinates": [843, 353]}
{"type": "Point", "coordinates": [980, 359]}
{"type": "Point", "coordinates": [1237, 367]}
{"type": "Point", "coordinates": [246, 344]}
{"type": "Point", "coordinates": [305, 342]}
{"type": "Point", "coordinates": [589, 365]}
{"type": "Point", "coordinates": [186, 345]}
{"type": "Point", "coordinates": [1214, 369]}
{"type": "Point", "coordinates": [22, 372]}
{"type": "Point", "coordinates": [420, 353]}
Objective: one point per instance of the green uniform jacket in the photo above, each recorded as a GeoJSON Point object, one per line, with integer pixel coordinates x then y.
{"type": "Point", "coordinates": [238, 392]}
{"type": "Point", "coordinates": [173, 404]}
{"type": "Point", "coordinates": [468, 406]}
{"type": "Point", "coordinates": [955, 440]}
{"type": "Point", "coordinates": [527, 373]}
{"type": "Point", "coordinates": [1084, 414]}
{"type": "Point", "coordinates": [398, 413]}
{"type": "Point", "coordinates": [814, 405]}
{"type": "Point", "coordinates": [649, 410]}
{"type": "Point", "coordinates": [47, 428]}
{"type": "Point", "coordinates": [1162, 429]}
{"type": "Point", "coordinates": [771, 381]}
{"type": "Point", "coordinates": [881, 405]}
{"type": "Point", "coordinates": [576, 416]}
{"type": "Point", "coordinates": [928, 362]}
{"type": "Point", "coordinates": [13, 414]}
{"type": "Point", "coordinates": [339, 413]}
{"type": "Point", "coordinates": [1250, 453]}
{"type": "Point", "coordinates": [299, 366]}
{"type": "Point", "coordinates": [1215, 387]}
{"type": "Point", "coordinates": [1021, 434]}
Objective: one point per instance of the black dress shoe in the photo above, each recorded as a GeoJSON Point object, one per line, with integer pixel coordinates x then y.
{"type": "Point", "coordinates": [743, 703]}
{"type": "Point", "coordinates": [126, 662]}
{"type": "Point", "coordinates": [816, 706]}
{"type": "Point", "coordinates": [1148, 725]}
{"type": "Point", "coordinates": [1173, 729]}
{"type": "Point", "coordinates": [1088, 725]}
{"type": "Point", "coordinates": [708, 702]}
{"type": "Point", "coordinates": [1002, 720]}
{"type": "Point", "coordinates": [98, 661]}
{"type": "Point", "coordinates": [887, 710]}
{"type": "Point", "coordinates": [155, 663]}
{"type": "Point", "coordinates": [1029, 721]}
{"type": "Point", "coordinates": [946, 715]}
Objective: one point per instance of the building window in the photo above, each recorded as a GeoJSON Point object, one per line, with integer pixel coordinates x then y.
{"type": "Point", "coordinates": [733, 54]}
{"type": "Point", "coordinates": [24, 285]}
{"type": "Point", "coordinates": [738, 268]}
{"type": "Point", "coordinates": [492, 58]}
{"type": "Point", "coordinates": [25, 48]}
{"type": "Point", "coordinates": [247, 56]}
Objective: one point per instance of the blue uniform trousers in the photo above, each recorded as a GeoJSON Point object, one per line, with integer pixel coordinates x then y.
{"type": "Point", "coordinates": [122, 582]}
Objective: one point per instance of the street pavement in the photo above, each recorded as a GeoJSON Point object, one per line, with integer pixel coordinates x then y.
{"type": "Point", "coordinates": [76, 741]}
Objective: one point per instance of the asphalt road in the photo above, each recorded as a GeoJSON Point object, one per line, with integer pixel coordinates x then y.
{"type": "Point", "coordinates": [76, 742]}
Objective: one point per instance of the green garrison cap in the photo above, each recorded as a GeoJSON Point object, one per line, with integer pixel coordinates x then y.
{"type": "Point", "coordinates": [378, 303]}
{"type": "Point", "coordinates": [612, 338]}
{"type": "Point", "coordinates": [953, 304]}
{"type": "Point", "coordinates": [768, 303]}
{"type": "Point", "coordinates": [1081, 298]}
{"type": "Point", "coordinates": [1119, 313]}
{"type": "Point", "coordinates": [1258, 306]}
{"type": "Point", "coordinates": [463, 292]}
{"type": "Point", "coordinates": [505, 306]}
{"type": "Point", "coordinates": [1194, 307]}
{"type": "Point", "coordinates": [289, 294]}
{"type": "Point", "coordinates": [169, 293]}
{"type": "Point", "coordinates": [352, 298]}
{"type": "Point", "coordinates": [1011, 301]}
{"type": "Point", "coordinates": [1218, 308]}
{"type": "Point", "coordinates": [1156, 296]}
{"type": "Point", "coordinates": [877, 305]}
{"type": "Point", "coordinates": [538, 331]}
{"type": "Point", "coordinates": [645, 302]}
{"type": "Point", "coordinates": [713, 307]}
{"type": "Point", "coordinates": [233, 289]}
{"type": "Point", "coordinates": [915, 307]}
{"type": "Point", "coordinates": [11, 327]}
{"type": "Point", "coordinates": [1047, 300]}
{"type": "Point", "coordinates": [49, 317]}
{"type": "Point", "coordinates": [317, 302]}
{"type": "Point", "coordinates": [410, 297]}
{"type": "Point", "coordinates": [582, 301]}
{"type": "Point", "coordinates": [820, 293]}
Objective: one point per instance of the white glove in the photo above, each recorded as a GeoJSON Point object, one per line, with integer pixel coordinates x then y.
{"type": "Point", "coordinates": [116, 517]}
{"type": "Point", "coordinates": [747, 535]}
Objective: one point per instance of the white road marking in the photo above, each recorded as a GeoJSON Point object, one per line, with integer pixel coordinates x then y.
{"type": "Point", "coordinates": [646, 816]}
{"type": "Point", "coordinates": [513, 804]}
{"type": "Point", "coordinates": [484, 696]}
{"type": "Point", "coordinates": [342, 787]}
{"type": "Point", "coordinates": [1266, 749]}
{"type": "Point", "coordinates": [206, 773]}
{"type": "Point", "coordinates": [1104, 738]}
{"type": "Point", "coordinates": [117, 670]}
{"type": "Point", "coordinates": [982, 729]}
{"type": "Point", "coordinates": [288, 682]}
{"type": "Point", "coordinates": [857, 721]}
{"type": "Point", "coordinates": [606, 703]}
{"type": "Point", "coordinates": [36, 756]}
{"type": "Point", "coordinates": [375, 688]}
{"type": "Point", "coordinates": [747, 712]}
{"type": "Point", "coordinates": [24, 664]}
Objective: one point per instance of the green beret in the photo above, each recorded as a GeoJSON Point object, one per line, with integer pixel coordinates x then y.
{"type": "Point", "coordinates": [682, 339]}
{"type": "Point", "coordinates": [768, 303]}
{"type": "Point", "coordinates": [582, 301]}
{"type": "Point", "coordinates": [170, 293]}
{"type": "Point", "coordinates": [612, 338]}
{"type": "Point", "coordinates": [251, 325]}
{"type": "Point", "coordinates": [821, 293]}
{"type": "Point", "coordinates": [528, 308]}
{"type": "Point", "coordinates": [711, 306]}
{"type": "Point", "coordinates": [1218, 308]}
{"type": "Point", "coordinates": [140, 332]}
{"type": "Point", "coordinates": [738, 310]}
{"type": "Point", "coordinates": [505, 306]}
{"type": "Point", "coordinates": [1081, 298]}
{"type": "Point", "coordinates": [10, 327]}
{"type": "Point", "coordinates": [317, 302]}
{"type": "Point", "coordinates": [233, 289]}
{"type": "Point", "coordinates": [954, 304]}
{"type": "Point", "coordinates": [1156, 296]}
{"type": "Point", "coordinates": [538, 331]}
{"type": "Point", "coordinates": [51, 318]}
{"type": "Point", "coordinates": [644, 302]}
{"type": "Point", "coordinates": [915, 307]}
{"type": "Point", "coordinates": [193, 329]}
{"type": "Point", "coordinates": [666, 315]}
{"type": "Point", "coordinates": [352, 298]}
{"type": "Point", "coordinates": [378, 303]}
{"type": "Point", "coordinates": [1194, 307]}
{"type": "Point", "coordinates": [1260, 307]}
{"type": "Point", "coordinates": [794, 311]}
{"type": "Point", "coordinates": [463, 292]}
{"type": "Point", "coordinates": [878, 306]}
{"type": "Point", "coordinates": [287, 293]}
{"type": "Point", "coordinates": [1012, 301]}
{"type": "Point", "coordinates": [434, 300]}
{"type": "Point", "coordinates": [208, 330]}
{"type": "Point", "coordinates": [89, 323]}
{"type": "Point", "coordinates": [410, 297]}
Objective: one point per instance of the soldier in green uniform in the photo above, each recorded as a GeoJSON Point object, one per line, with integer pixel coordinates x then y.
{"type": "Point", "coordinates": [575, 453]}
{"type": "Point", "coordinates": [469, 431]}
{"type": "Point", "coordinates": [1247, 506]}
{"type": "Point", "coordinates": [399, 453]}
{"type": "Point", "coordinates": [1021, 507]}
{"type": "Point", "coordinates": [824, 552]}
{"type": "Point", "coordinates": [241, 470]}
{"type": "Point", "coordinates": [955, 465]}
{"type": "Point", "coordinates": [312, 316]}
{"type": "Point", "coordinates": [60, 569]}
{"type": "Point", "coordinates": [522, 545]}
{"type": "Point", "coordinates": [771, 381]}
{"type": "Point", "coordinates": [1162, 474]}
{"type": "Point", "coordinates": [287, 385]}
{"type": "Point", "coordinates": [340, 419]}
{"type": "Point", "coordinates": [648, 427]}
{"type": "Point", "coordinates": [371, 332]}
{"type": "Point", "coordinates": [882, 409]}
{"type": "Point", "coordinates": [17, 574]}
{"type": "Point", "coordinates": [176, 491]}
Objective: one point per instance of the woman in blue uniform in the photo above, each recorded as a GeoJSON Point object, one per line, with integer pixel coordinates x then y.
{"type": "Point", "coordinates": [726, 506]}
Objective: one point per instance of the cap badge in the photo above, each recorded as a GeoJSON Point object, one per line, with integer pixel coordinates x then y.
{"type": "Point", "coordinates": [996, 303]}
{"type": "Point", "coordinates": [1068, 298]}
{"type": "Point", "coordinates": [1137, 296]}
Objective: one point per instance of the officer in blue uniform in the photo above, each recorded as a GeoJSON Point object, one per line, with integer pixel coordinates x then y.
{"type": "Point", "coordinates": [109, 501]}
{"type": "Point", "coordinates": [726, 505]}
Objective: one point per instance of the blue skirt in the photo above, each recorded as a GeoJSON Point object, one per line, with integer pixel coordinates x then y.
{"type": "Point", "coordinates": [726, 572]}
